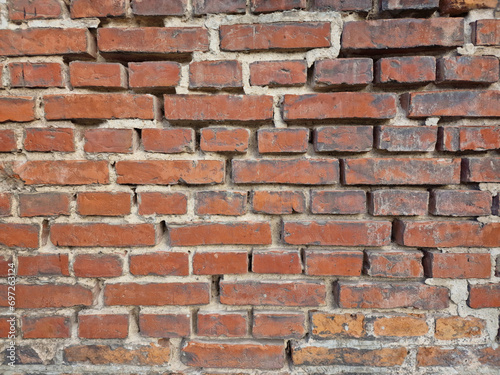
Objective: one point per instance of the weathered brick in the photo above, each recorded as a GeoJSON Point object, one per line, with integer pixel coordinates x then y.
{"type": "Point", "coordinates": [20, 10]}
{"type": "Point", "coordinates": [390, 296]}
{"type": "Point", "coordinates": [8, 142]}
{"type": "Point", "coordinates": [220, 74]}
{"type": "Point", "coordinates": [19, 235]}
{"type": "Point", "coordinates": [276, 261]}
{"type": "Point", "coordinates": [398, 202]}
{"type": "Point", "coordinates": [168, 141]}
{"type": "Point", "coordinates": [407, 70]}
{"type": "Point", "coordinates": [222, 324]}
{"type": "Point", "coordinates": [170, 172]}
{"type": "Point", "coordinates": [394, 264]}
{"type": "Point", "coordinates": [52, 295]}
{"type": "Point", "coordinates": [339, 105]}
{"type": "Point", "coordinates": [280, 325]}
{"type": "Point", "coordinates": [160, 264]}
{"type": "Point", "coordinates": [41, 265]}
{"type": "Point", "coordinates": [154, 74]}
{"type": "Point", "coordinates": [342, 5]}
{"type": "Point", "coordinates": [165, 325]}
{"type": "Point", "coordinates": [484, 296]}
{"type": "Point", "coordinates": [144, 355]}
{"type": "Point", "coordinates": [398, 5]}
{"type": "Point", "coordinates": [44, 204]}
{"type": "Point", "coordinates": [333, 263]}
{"type": "Point", "coordinates": [486, 169]}
{"type": "Point", "coordinates": [46, 327]}
{"type": "Point", "coordinates": [5, 205]}
{"type": "Point", "coordinates": [97, 265]}
{"type": "Point", "coordinates": [330, 326]}
{"type": "Point", "coordinates": [395, 34]}
{"type": "Point", "coordinates": [218, 107]}
{"type": "Point", "coordinates": [103, 235]}
{"type": "Point", "coordinates": [447, 234]}
{"type": "Point", "coordinates": [463, 6]}
{"type": "Point", "coordinates": [278, 73]}
{"type": "Point", "coordinates": [253, 355]}
{"type": "Point", "coordinates": [92, 74]}
{"type": "Point", "coordinates": [159, 7]}
{"type": "Point", "coordinates": [157, 294]}
{"type": "Point", "coordinates": [292, 140]}
{"type": "Point", "coordinates": [465, 138]}
{"type": "Point", "coordinates": [17, 108]}
{"type": "Point", "coordinates": [400, 326]}
{"type": "Point", "coordinates": [108, 140]}
{"type": "Point", "coordinates": [103, 204]}
{"type": "Point", "coordinates": [337, 233]}
{"type": "Point", "coordinates": [401, 171]}
{"type": "Point", "coordinates": [406, 138]}
{"type": "Point", "coordinates": [458, 265]}
{"type": "Point", "coordinates": [343, 138]}
{"type": "Point", "coordinates": [103, 326]}
{"type": "Point", "coordinates": [35, 75]}
{"type": "Point", "coordinates": [220, 262]}
{"type": "Point", "coordinates": [202, 7]}
{"type": "Point", "coordinates": [278, 202]}
{"type": "Point", "coordinates": [460, 203]}
{"type": "Point", "coordinates": [456, 327]}
{"type": "Point", "coordinates": [238, 233]}
{"type": "Point", "coordinates": [272, 293]}
{"type": "Point", "coordinates": [286, 171]}
{"type": "Point", "coordinates": [224, 139]}
{"type": "Point", "coordinates": [230, 203]}
{"type": "Point", "coordinates": [97, 8]}
{"type": "Point", "coordinates": [468, 69]}
{"type": "Point", "coordinates": [267, 6]}
{"type": "Point", "coordinates": [486, 32]}
{"type": "Point", "coordinates": [157, 203]}
{"type": "Point", "coordinates": [339, 202]}
{"type": "Point", "coordinates": [49, 140]}
{"type": "Point", "coordinates": [457, 357]}
{"type": "Point", "coordinates": [343, 72]}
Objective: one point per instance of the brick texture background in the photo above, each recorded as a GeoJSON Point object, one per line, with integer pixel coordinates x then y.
{"type": "Point", "coordinates": [251, 186]}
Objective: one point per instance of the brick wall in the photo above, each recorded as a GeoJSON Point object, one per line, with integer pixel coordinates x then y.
{"type": "Point", "coordinates": [261, 186]}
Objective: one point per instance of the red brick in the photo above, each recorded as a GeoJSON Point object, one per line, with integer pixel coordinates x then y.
{"type": "Point", "coordinates": [280, 325]}
{"type": "Point", "coordinates": [240, 233]}
{"type": "Point", "coordinates": [102, 235]}
{"type": "Point", "coordinates": [220, 262]}
{"type": "Point", "coordinates": [401, 171]}
{"type": "Point", "coordinates": [394, 264]}
{"type": "Point", "coordinates": [169, 141]}
{"type": "Point", "coordinates": [333, 263]}
{"type": "Point", "coordinates": [159, 294]}
{"type": "Point", "coordinates": [5, 205]}
{"type": "Point", "coordinates": [49, 140]}
{"type": "Point", "coordinates": [220, 203]}
{"type": "Point", "coordinates": [325, 355]}
{"type": "Point", "coordinates": [342, 5]}
{"type": "Point", "coordinates": [144, 355]}
{"type": "Point", "coordinates": [339, 105]}
{"type": "Point", "coordinates": [201, 7]}
{"type": "Point", "coordinates": [455, 327]}
{"type": "Point", "coordinates": [46, 41]}
{"type": "Point", "coordinates": [154, 74]}
{"type": "Point", "coordinates": [337, 233]}
{"type": "Point", "coordinates": [151, 203]}
{"type": "Point", "coordinates": [460, 203]}
{"type": "Point", "coordinates": [484, 296]}
{"type": "Point", "coordinates": [484, 169]}
{"type": "Point", "coordinates": [218, 107]}
{"type": "Point", "coordinates": [97, 8]}
{"type": "Point", "coordinates": [283, 140]}
{"type": "Point", "coordinates": [286, 171]}
{"type": "Point", "coordinates": [278, 202]}
{"type": "Point", "coordinates": [170, 172]}
{"type": "Point", "coordinates": [152, 40]}
{"type": "Point", "coordinates": [458, 265]}
{"type": "Point", "coordinates": [343, 72]}
{"type": "Point", "coordinates": [224, 139]}
{"type": "Point", "coordinates": [343, 138]}
{"type": "Point", "coordinates": [339, 202]}
{"type": "Point", "coordinates": [390, 296]}
{"type": "Point", "coordinates": [400, 326]}
{"type": "Point", "coordinates": [463, 6]}
{"type": "Point", "coordinates": [457, 357]}
{"type": "Point", "coordinates": [52, 295]}
{"type": "Point", "coordinates": [17, 108]}
{"type": "Point", "coordinates": [272, 293]}
{"type": "Point", "coordinates": [8, 141]}
{"type": "Point", "coordinates": [249, 355]}
{"type": "Point", "coordinates": [406, 138]}
{"type": "Point", "coordinates": [267, 6]}
{"type": "Point", "coordinates": [275, 36]}
{"type": "Point", "coordinates": [103, 204]}
{"type": "Point", "coordinates": [398, 5]}
{"type": "Point", "coordinates": [468, 69]}
{"type": "Point", "coordinates": [476, 138]}
{"type": "Point", "coordinates": [276, 261]}
{"type": "Point", "coordinates": [405, 33]}
{"type": "Point", "coordinates": [92, 74]}
{"type": "Point", "coordinates": [160, 264]}
{"type": "Point", "coordinates": [44, 204]}
{"type": "Point", "coordinates": [104, 106]}
{"type": "Point", "coordinates": [5, 260]}
{"type": "Point", "coordinates": [103, 326]}
{"type": "Point", "coordinates": [447, 234]}
{"type": "Point", "coordinates": [486, 32]}
{"type": "Point", "coordinates": [222, 324]}
{"type": "Point", "coordinates": [46, 327]}
{"type": "Point", "coordinates": [36, 75]}
{"type": "Point", "coordinates": [457, 103]}
{"type": "Point", "coordinates": [41, 265]}
{"type": "Point", "coordinates": [97, 265]}
{"type": "Point", "coordinates": [20, 10]}
{"type": "Point", "coordinates": [165, 325]}
{"type": "Point", "coordinates": [221, 74]}
{"type": "Point", "coordinates": [19, 235]}
{"type": "Point", "coordinates": [411, 69]}
{"type": "Point", "coordinates": [159, 7]}
{"type": "Point", "coordinates": [108, 140]}
{"type": "Point", "coordinates": [278, 73]}
{"type": "Point", "coordinates": [398, 202]}
{"type": "Point", "coordinates": [331, 326]}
